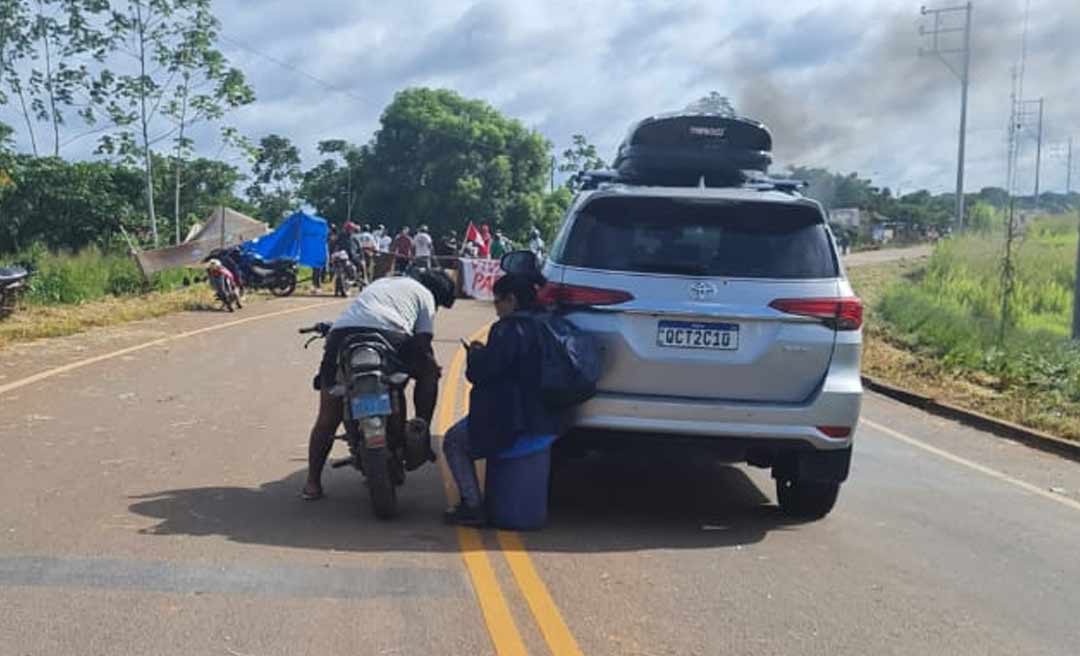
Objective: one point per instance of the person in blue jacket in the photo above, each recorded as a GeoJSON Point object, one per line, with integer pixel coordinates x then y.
{"type": "Point", "coordinates": [505, 402]}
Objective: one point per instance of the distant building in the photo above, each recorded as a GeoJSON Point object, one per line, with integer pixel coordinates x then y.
{"type": "Point", "coordinates": [850, 217]}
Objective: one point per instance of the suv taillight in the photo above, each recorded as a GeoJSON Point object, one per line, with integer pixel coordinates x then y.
{"type": "Point", "coordinates": [840, 313]}
{"type": "Point", "coordinates": [560, 294]}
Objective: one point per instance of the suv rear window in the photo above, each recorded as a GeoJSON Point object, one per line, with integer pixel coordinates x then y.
{"type": "Point", "coordinates": [699, 238]}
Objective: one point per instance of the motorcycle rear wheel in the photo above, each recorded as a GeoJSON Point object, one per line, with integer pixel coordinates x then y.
{"type": "Point", "coordinates": [283, 286]}
{"type": "Point", "coordinates": [380, 482]}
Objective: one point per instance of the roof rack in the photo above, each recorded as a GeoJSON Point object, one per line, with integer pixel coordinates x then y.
{"type": "Point", "coordinates": [749, 180]}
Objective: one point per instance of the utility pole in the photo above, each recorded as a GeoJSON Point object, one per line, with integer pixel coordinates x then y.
{"type": "Point", "coordinates": [1028, 118]}
{"type": "Point", "coordinates": [941, 50]}
{"type": "Point", "coordinates": [1038, 153]}
{"type": "Point", "coordinates": [1068, 171]}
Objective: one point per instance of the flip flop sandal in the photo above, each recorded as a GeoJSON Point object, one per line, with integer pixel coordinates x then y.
{"type": "Point", "coordinates": [308, 496]}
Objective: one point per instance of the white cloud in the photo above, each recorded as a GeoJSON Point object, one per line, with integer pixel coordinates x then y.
{"type": "Point", "coordinates": [840, 82]}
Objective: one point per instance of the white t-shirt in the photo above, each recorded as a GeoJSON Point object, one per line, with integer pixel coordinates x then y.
{"type": "Point", "coordinates": [367, 240]}
{"type": "Point", "coordinates": [399, 304]}
{"type": "Point", "coordinates": [384, 243]}
{"type": "Point", "coordinates": [423, 244]}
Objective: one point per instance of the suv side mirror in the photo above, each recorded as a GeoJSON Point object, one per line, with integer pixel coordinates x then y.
{"type": "Point", "coordinates": [520, 262]}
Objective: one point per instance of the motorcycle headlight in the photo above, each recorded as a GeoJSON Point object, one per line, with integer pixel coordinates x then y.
{"type": "Point", "coordinates": [365, 358]}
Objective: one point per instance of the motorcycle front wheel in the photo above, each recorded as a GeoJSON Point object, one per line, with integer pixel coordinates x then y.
{"type": "Point", "coordinates": [283, 286]}
{"type": "Point", "coordinates": [380, 482]}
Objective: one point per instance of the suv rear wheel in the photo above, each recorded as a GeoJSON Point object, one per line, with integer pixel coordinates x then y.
{"type": "Point", "coordinates": [806, 499]}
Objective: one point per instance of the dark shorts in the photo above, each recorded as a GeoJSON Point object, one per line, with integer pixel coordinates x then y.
{"type": "Point", "coordinates": [416, 358]}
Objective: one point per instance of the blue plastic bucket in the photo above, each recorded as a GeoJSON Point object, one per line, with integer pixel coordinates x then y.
{"type": "Point", "coordinates": [516, 489]}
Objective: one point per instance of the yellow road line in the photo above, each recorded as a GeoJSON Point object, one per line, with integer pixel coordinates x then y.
{"type": "Point", "coordinates": [500, 623]}
{"type": "Point", "coordinates": [982, 469]}
{"type": "Point", "coordinates": [497, 616]}
{"type": "Point", "coordinates": [38, 377]}
{"type": "Point", "coordinates": [557, 635]}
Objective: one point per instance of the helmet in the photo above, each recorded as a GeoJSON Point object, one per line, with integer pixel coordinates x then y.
{"type": "Point", "coordinates": [214, 264]}
{"type": "Point", "coordinates": [439, 284]}
{"type": "Point", "coordinates": [349, 227]}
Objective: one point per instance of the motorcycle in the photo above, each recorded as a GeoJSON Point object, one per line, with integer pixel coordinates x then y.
{"type": "Point", "coordinates": [278, 275]}
{"type": "Point", "coordinates": [344, 272]}
{"type": "Point", "coordinates": [383, 445]}
{"type": "Point", "coordinates": [224, 285]}
{"type": "Point", "coordinates": [13, 282]}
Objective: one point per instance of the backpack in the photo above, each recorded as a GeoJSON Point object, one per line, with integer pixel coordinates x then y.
{"type": "Point", "coordinates": [569, 363]}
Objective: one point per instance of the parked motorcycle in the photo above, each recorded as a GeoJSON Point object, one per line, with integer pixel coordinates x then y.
{"type": "Point", "coordinates": [344, 272]}
{"type": "Point", "coordinates": [14, 280]}
{"type": "Point", "coordinates": [278, 276]}
{"type": "Point", "coordinates": [383, 445]}
{"type": "Point", "coordinates": [223, 282]}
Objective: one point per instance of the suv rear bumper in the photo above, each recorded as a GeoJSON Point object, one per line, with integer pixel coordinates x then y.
{"type": "Point", "coordinates": [658, 415]}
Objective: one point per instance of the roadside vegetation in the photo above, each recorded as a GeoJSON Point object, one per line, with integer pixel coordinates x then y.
{"type": "Point", "coordinates": [71, 292]}
{"type": "Point", "coordinates": [936, 326]}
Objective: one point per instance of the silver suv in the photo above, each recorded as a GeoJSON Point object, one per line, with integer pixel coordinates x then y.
{"type": "Point", "coordinates": [723, 314]}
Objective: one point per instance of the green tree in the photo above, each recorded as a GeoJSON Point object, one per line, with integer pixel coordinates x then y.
{"type": "Point", "coordinates": [276, 177]}
{"type": "Point", "coordinates": [49, 50]}
{"type": "Point", "coordinates": [442, 159]}
{"type": "Point", "coordinates": [66, 205]}
{"type": "Point", "coordinates": [579, 159]}
{"type": "Point", "coordinates": [175, 78]}
{"type": "Point", "coordinates": [713, 103]}
{"type": "Point", "coordinates": [334, 189]}
{"type": "Point", "coordinates": [207, 88]}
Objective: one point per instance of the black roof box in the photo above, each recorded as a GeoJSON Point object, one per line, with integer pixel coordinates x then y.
{"type": "Point", "coordinates": [679, 149]}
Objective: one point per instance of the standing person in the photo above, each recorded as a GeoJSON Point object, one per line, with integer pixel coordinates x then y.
{"type": "Point", "coordinates": [485, 241]}
{"type": "Point", "coordinates": [536, 243]}
{"type": "Point", "coordinates": [423, 247]}
{"type": "Point", "coordinates": [401, 309]}
{"type": "Point", "coordinates": [368, 246]}
{"type": "Point", "coordinates": [384, 239]}
{"type": "Point", "coordinates": [500, 246]}
{"type": "Point", "coordinates": [402, 249]}
{"type": "Point", "coordinates": [505, 402]}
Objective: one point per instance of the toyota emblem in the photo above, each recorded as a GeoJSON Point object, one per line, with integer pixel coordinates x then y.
{"type": "Point", "coordinates": [702, 291]}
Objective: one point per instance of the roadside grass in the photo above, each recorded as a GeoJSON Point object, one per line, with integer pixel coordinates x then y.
{"type": "Point", "coordinates": [932, 326]}
{"type": "Point", "coordinates": [31, 322]}
{"type": "Point", "coordinates": [71, 292]}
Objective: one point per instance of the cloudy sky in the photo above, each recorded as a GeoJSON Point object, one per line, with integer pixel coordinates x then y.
{"type": "Point", "coordinates": [840, 82]}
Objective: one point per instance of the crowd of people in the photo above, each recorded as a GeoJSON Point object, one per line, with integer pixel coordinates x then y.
{"type": "Point", "coordinates": [364, 242]}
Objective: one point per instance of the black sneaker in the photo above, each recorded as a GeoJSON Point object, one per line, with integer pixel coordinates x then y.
{"type": "Point", "coordinates": [466, 515]}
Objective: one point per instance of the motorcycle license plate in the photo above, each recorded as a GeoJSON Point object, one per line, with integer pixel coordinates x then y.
{"type": "Point", "coordinates": [370, 405]}
{"type": "Point", "coordinates": [695, 335]}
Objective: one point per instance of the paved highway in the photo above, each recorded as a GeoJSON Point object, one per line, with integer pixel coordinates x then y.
{"type": "Point", "coordinates": [148, 505]}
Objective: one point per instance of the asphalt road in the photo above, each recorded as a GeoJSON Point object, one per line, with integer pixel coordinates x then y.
{"type": "Point", "coordinates": [148, 506]}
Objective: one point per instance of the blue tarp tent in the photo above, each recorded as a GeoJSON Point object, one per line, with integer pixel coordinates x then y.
{"type": "Point", "coordinates": [301, 237]}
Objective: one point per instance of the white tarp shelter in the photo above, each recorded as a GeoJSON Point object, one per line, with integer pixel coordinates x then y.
{"type": "Point", "coordinates": [225, 227]}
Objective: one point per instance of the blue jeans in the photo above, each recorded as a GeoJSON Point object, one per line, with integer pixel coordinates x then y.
{"type": "Point", "coordinates": [456, 450]}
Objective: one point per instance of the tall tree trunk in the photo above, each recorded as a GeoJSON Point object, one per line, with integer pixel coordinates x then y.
{"type": "Point", "coordinates": [180, 154]}
{"type": "Point", "coordinates": [145, 121]}
{"type": "Point", "coordinates": [29, 121]}
{"type": "Point", "coordinates": [53, 118]}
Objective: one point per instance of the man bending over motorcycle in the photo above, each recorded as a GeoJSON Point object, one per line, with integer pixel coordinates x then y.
{"type": "Point", "coordinates": [401, 309]}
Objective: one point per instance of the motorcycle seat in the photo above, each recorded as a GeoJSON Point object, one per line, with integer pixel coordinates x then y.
{"type": "Point", "coordinates": [12, 274]}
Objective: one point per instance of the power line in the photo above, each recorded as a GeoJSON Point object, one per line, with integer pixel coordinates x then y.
{"type": "Point", "coordinates": [299, 71]}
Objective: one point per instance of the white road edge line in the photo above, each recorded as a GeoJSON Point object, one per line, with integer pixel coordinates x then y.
{"type": "Point", "coordinates": [49, 373]}
{"type": "Point", "coordinates": [982, 469]}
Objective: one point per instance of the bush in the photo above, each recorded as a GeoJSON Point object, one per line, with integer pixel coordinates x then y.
{"type": "Point", "coordinates": [954, 310]}
{"type": "Point", "coordinates": [67, 278]}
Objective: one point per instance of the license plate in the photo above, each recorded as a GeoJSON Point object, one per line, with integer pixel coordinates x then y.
{"type": "Point", "coordinates": [695, 335]}
{"type": "Point", "coordinates": [370, 405]}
